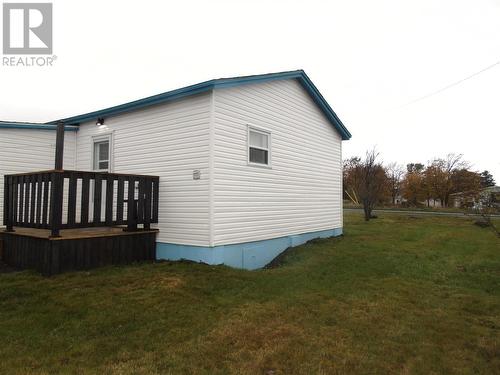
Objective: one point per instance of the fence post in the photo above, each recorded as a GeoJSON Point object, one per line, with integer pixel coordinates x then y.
{"type": "Point", "coordinates": [56, 203]}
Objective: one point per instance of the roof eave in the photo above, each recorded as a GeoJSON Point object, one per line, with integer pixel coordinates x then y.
{"type": "Point", "coordinates": [323, 104]}
{"type": "Point", "coordinates": [210, 85]}
{"type": "Point", "coordinates": [37, 126]}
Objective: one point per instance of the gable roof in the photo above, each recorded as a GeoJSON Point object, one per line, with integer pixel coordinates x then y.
{"type": "Point", "coordinates": [300, 75]}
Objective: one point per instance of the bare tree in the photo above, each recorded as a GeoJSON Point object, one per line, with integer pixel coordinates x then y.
{"type": "Point", "coordinates": [365, 181]}
{"type": "Point", "coordinates": [372, 182]}
{"type": "Point", "coordinates": [350, 178]}
{"type": "Point", "coordinates": [395, 174]}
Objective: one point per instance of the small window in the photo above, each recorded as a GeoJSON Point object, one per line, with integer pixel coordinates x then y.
{"type": "Point", "coordinates": [258, 147]}
{"type": "Point", "coordinates": [101, 155]}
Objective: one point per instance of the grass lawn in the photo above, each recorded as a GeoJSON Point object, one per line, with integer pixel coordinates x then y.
{"type": "Point", "coordinates": [397, 295]}
{"type": "Point", "coordinates": [349, 205]}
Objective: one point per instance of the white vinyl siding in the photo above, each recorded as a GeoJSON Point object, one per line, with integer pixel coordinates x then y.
{"type": "Point", "coordinates": [301, 192]}
{"type": "Point", "coordinates": [234, 201]}
{"type": "Point", "coordinates": [33, 150]}
{"type": "Point", "coordinates": [169, 140]}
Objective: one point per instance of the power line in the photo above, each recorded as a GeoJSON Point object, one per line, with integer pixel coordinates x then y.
{"type": "Point", "coordinates": [451, 85]}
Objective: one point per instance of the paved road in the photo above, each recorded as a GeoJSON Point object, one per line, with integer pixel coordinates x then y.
{"type": "Point", "coordinates": [415, 212]}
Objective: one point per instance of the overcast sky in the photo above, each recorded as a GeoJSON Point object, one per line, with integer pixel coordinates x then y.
{"type": "Point", "coordinates": [368, 58]}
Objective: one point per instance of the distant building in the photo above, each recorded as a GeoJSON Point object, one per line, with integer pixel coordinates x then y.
{"type": "Point", "coordinates": [474, 200]}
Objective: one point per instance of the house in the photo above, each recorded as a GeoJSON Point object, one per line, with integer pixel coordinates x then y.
{"type": "Point", "coordinates": [477, 199]}
{"type": "Point", "coordinates": [248, 166]}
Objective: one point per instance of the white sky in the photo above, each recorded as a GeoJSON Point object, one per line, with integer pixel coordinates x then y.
{"type": "Point", "coordinates": [368, 58]}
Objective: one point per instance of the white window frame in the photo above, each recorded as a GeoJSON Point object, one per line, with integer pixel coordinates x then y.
{"type": "Point", "coordinates": [97, 139]}
{"type": "Point", "coordinates": [251, 128]}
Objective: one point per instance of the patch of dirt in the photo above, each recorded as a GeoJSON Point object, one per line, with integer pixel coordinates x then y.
{"type": "Point", "coordinates": [482, 223]}
{"type": "Point", "coordinates": [279, 260]}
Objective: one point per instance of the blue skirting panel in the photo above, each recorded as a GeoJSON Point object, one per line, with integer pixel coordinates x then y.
{"type": "Point", "coordinates": [248, 255]}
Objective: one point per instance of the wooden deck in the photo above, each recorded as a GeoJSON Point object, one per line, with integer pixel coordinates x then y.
{"type": "Point", "coordinates": [63, 220]}
{"type": "Point", "coordinates": [76, 249]}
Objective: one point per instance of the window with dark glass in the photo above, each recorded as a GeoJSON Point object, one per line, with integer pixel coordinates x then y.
{"type": "Point", "coordinates": [258, 146]}
{"type": "Point", "coordinates": [101, 155]}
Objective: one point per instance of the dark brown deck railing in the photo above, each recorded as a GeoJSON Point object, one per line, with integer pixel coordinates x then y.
{"type": "Point", "coordinates": [65, 199]}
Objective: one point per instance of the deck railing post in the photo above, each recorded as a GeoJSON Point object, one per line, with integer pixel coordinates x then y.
{"type": "Point", "coordinates": [58, 164]}
{"type": "Point", "coordinates": [131, 206]}
{"type": "Point", "coordinates": [56, 202]}
{"type": "Point", "coordinates": [6, 201]}
{"type": "Point", "coordinates": [8, 218]}
{"type": "Point", "coordinates": [147, 204]}
{"type": "Point", "coordinates": [155, 197]}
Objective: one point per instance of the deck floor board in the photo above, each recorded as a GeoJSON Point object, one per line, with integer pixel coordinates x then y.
{"type": "Point", "coordinates": [80, 233]}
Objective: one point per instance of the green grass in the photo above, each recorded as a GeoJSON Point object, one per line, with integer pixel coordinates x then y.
{"type": "Point", "coordinates": [423, 208]}
{"type": "Point", "coordinates": [396, 295]}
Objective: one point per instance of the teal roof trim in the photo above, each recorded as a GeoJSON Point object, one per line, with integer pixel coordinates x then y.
{"type": "Point", "coordinates": [300, 75]}
{"type": "Point", "coordinates": [38, 126]}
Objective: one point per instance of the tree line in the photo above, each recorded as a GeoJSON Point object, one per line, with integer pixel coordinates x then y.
{"type": "Point", "coordinates": [369, 182]}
